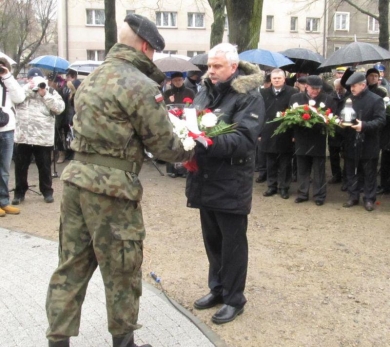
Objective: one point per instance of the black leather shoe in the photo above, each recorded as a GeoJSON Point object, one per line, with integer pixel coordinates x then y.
{"type": "Point", "coordinates": [62, 343]}
{"type": "Point", "coordinates": [226, 314]}
{"type": "Point", "coordinates": [270, 192]}
{"type": "Point", "coordinates": [319, 202]}
{"type": "Point", "coordinates": [261, 179]}
{"type": "Point", "coordinates": [299, 200]}
{"type": "Point", "coordinates": [344, 187]}
{"type": "Point", "coordinates": [125, 341]}
{"type": "Point", "coordinates": [172, 175]}
{"type": "Point", "coordinates": [17, 200]}
{"type": "Point", "coordinates": [48, 199]}
{"type": "Point", "coordinates": [208, 301]}
{"type": "Point", "coordinates": [284, 193]}
{"type": "Point", "coordinates": [350, 203]}
{"type": "Point", "coordinates": [369, 206]}
{"type": "Point", "coordinates": [334, 180]}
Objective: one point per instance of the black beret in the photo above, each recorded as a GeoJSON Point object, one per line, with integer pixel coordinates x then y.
{"type": "Point", "coordinates": [302, 80]}
{"type": "Point", "coordinates": [314, 81]}
{"type": "Point", "coordinates": [372, 70]}
{"type": "Point", "coordinates": [146, 29]}
{"type": "Point", "coordinates": [177, 74]}
{"type": "Point", "coordinates": [356, 77]}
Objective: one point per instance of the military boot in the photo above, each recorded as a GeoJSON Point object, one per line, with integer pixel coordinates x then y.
{"type": "Point", "coordinates": [62, 343]}
{"type": "Point", "coordinates": [125, 341]}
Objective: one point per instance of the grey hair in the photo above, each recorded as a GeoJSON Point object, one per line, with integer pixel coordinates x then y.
{"type": "Point", "coordinates": [275, 71]}
{"type": "Point", "coordinates": [337, 81]}
{"type": "Point", "coordinates": [228, 50]}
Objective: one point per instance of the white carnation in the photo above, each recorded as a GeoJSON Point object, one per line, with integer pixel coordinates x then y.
{"type": "Point", "coordinates": [312, 102]}
{"type": "Point", "coordinates": [322, 105]}
{"type": "Point", "coordinates": [278, 114]}
{"type": "Point", "coordinates": [188, 143]}
{"type": "Point", "coordinates": [330, 116]}
{"type": "Point", "coordinates": [386, 99]}
{"type": "Point", "coordinates": [209, 120]}
{"type": "Point", "coordinates": [295, 105]}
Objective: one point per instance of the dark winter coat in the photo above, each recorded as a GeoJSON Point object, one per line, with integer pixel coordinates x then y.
{"type": "Point", "coordinates": [179, 93]}
{"type": "Point", "coordinates": [224, 180]}
{"type": "Point", "coordinates": [191, 84]}
{"type": "Point", "coordinates": [281, 143]}
{"type": "Point", "coordinates": [370, 109]}
{"type": "Point", "coordinates": [338, 139]}
{"type": "Point", "coordinates": [311, 141]}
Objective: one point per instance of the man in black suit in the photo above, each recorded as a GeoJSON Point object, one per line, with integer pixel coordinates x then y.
{"type": "Point", "coordinates": [278, 148]}
{"type": "Point", "coordinates": [362, 141]}
{"type": "Point", "coordinates": [310, 144]}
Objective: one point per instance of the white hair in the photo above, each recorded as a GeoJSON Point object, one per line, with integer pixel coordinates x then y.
{"type": "Point", "coordinates": [337, 81]}
{"type": "Point", "coordinates": [227, 49]}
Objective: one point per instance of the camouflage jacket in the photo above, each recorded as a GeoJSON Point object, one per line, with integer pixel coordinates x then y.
{"type": "Point", "coordinates": [120, 114]}
{"type": "Point", "coordinates": [35, 117]}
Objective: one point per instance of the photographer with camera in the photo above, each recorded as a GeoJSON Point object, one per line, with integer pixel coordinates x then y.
{"type": "Point", "coordinates": [34, 134]}
{"type": "Point", "coordinates": [11, 93]}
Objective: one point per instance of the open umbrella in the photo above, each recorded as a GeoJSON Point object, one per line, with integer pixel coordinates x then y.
{"type": "Point", "coordinates": [11, 61]}
{"type": "Point", "coordinates": [171, 64]}
{"type": "Point", "coordinates": [265, 58]}
{"type": "Point", "coordinates": [51, 63]}
{"type": "Point", "coordinates": [200, 59]}
{"type": "Point", "coordinates": [84, 67]}
{"type": "Point", "coordinates": [305, 60]}
{"type": "Point", "coordinates": [356, 52]}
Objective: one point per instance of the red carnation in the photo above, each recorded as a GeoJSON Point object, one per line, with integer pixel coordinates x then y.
{"type": "Point", "coordinates": [306, 116]}
{"type": "Point", "coordinates": [187, 100]}
{"type": "Point", "coordinates": [207, 110]}
{"type": "Point", "coordinates": [283, 114]}
{"type": "Point", "coordinates": [306, 107]}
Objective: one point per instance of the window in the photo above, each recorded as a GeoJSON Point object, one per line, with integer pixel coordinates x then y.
{"type": "Point", "coordinates": [336, 48]}
{"type": "Point", "coordinates": [170, 52]}
{"type": "Point", "coordinates": [312, 24]}
{"type": "Point", "coordinates": [194, 53]}
{"type": "Point", "coordinates": [166, 19]}
{"type": "Point", "coordinates": [130, 12]}
{"type": "Point", "coordinates": [95, 17]}
{"type": "Point", "coordinates": [269, 23]}
{"type": "Point", "coordinates": [195, 20]}
{"type": "Point", "coordinates": [341, 21]}
{"type": "Point", "coordinates": [294, 24]}
{"type": "Point", "coordinates": [95, 55]}
{"type": "Point", "coordinates": [373, 25]}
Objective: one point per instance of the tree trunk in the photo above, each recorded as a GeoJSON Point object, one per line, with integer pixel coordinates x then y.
{"type": "Point", "coordinates": [218, 27]}
{"type": "Point", "coordinates": [244, 19]}
{"type": "Point", "coordinates": [383, 7]}
{"type": "Point", "coordinates": [110, 28]}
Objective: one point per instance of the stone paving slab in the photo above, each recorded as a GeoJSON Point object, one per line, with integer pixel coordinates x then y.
{"type": "Point", "coordinates": [27, 263]}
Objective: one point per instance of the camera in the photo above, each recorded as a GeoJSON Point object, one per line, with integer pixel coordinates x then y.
{"type": "Point", "coordinates": [41, 85]}
{"type": "Point", "coordinates": [1, 69]}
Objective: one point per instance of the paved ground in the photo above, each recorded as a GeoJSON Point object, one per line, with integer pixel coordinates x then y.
{"type": "Point", "coordinates": [27, 264]}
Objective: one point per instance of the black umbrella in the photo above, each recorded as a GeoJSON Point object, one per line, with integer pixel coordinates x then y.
{"type": "Point", "coordinates": [305, 60]}
{"type": "Point", "coordinates": [199, 59]}
{"type": "Point", "coordinates": [356, 53]}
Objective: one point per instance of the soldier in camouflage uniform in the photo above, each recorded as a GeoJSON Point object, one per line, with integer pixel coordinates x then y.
{"type": "Point", "coordinates": [34, 134]}
{"type": "Point", "coordinates": [120, 113]}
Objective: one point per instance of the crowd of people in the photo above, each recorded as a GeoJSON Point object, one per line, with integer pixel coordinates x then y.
{"type": "Point", "coordinates": [118, 114]}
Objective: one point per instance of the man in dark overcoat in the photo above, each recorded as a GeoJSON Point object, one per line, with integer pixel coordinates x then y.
{"type": "Point", "coordinates": [222, 186]}
{"type": "Point", "coordinates": [310, 144]}
{"type": "Point", "coordinates": [278, 148]}
{"type": "Point", "coordinates": [362, 141]}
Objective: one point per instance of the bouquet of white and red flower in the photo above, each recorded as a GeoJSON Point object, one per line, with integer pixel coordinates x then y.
{"type": "Point", "coordinates": [306, 116]}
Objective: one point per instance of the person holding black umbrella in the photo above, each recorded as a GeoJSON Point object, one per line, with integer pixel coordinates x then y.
{"type": "Point", "coordinates": [362, 141]}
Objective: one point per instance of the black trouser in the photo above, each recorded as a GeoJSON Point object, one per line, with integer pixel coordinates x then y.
{"type": "Point", "coordinates": [367, 172]}
{"type": "Point", "coordinates": [305, 165]}
{"type": "Point", "coordinates": [385, 170]}
{"type": "Point", "coordinates": [23, 154]}
{"type": "Point", "coordinates": [224, 236]}
{"type": "Point", "coordinates": [279, 170]}
{"type": "Point", "coordinates": [335, 161]}
{"type": "Point", "coordinates": [260, 161]}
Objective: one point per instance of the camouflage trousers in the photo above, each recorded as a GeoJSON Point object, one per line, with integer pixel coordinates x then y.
{"type": "Point", "coordinates": [96, 230]}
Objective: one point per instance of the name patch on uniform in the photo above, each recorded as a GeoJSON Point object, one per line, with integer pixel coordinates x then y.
{"type": "Point", "coordinates": [159, 97]}
{"type": "Point", "coordinates": [255, 116]}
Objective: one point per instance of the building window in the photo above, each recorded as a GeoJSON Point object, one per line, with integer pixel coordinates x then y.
{"type": "Point", "coordinates": [373, 25]}
{"type": "Point", "coordinates": [130, 12]}
{"type": "Point", "coordinates": [336, 48]}
{"type": "Point", "coordinates": [166, 19]}
{"type": "Point", "coordinates": [95, 17]}
{"type": "Point", "coordinates": [170, 52]}
{"type": "Point", "coordinates": [195, 20]}
{"type": "Point", "coordinates": [194, 53]}
{"type": "Point", "coordinates": [269, 23]}
{"type": "Point", "coordinates": [294, 24]}
{"type": "Point", "coordinates": [341, 21]}
{"type": "Point", "coordinates": [95, 55]}
{"type": "Point", "coordinates": [312, 24]}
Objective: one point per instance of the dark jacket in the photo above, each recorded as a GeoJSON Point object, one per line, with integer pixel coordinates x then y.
{"type": "Point", "coordinates": [224, 180]}
{"type": "Point", "coordinates": [191, 84]}
{"type": "Point", "coordinates": [311, 141]}
{"type": "Point", "coordinates": [370, 109]}
{"type": "Point", "coordinates": [179, 93]}
{"type": "Point", "coordinates": [281, 143]}
{"type": "Point", "coordinates": [338, 139]}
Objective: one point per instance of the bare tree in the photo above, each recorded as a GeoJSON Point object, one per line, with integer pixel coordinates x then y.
{"type": "Point", "coordinates": [25, 25]}
{"type": "Point", "coordinates": [218, 26]}
{"type": "Point", "coordinates": [110, 28]}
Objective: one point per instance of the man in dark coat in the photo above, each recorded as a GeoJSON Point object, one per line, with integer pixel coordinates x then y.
{"type": "Point", "coordinates": [362, 141]}
{"type": "Point", "coordinates": [222, 186]}
{"type": "Point", "coordinates": [310, 144]}
{"type": "Point", "coordinates": [178, 92]}
{"type": "Point", "coordinates": [192, 81]}
{"type": "Point", "coordinates": [278, 148]}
